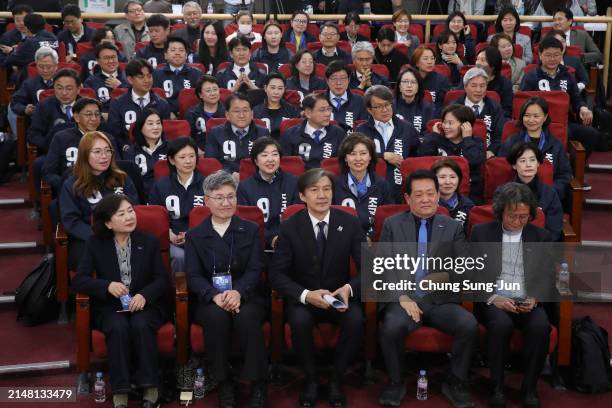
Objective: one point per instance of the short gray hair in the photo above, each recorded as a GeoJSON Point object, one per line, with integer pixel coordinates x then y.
{"type": "Point", "coordinates": [191, 4]}
{"type": "Point", "coordinates": [379, 91]}
{"type": "Point", "coordinates": [217, 180]}
{"type": "Point", "coordinates": [44, 52]}
{"type": "Point", "coordinates": [474, 73]}
{"type": "Point", "coordinates": [362, 46]}
{"type": "Point", "coordinates": [511, 194]}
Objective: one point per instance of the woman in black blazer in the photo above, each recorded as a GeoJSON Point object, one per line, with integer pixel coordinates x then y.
{"type": "Point", "coordinates": [223, 264]}
{"type": "Point", "coordinates": [129, 278]}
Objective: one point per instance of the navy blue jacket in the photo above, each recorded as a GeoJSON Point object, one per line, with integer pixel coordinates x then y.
{"type": "Point", "coordinates": [24, 54]}
{"type": "Point", "coordinates": [11, 38]}
{"type": "Point", "coordinates": [379, 193]}
{"type": "Point", "coordinates": [538, 80]}
{"type": "Point", "coordinates": [240, 246]}
{"type": "Point", "coordinates": [47, 120]}
{"type": "Point", "coordinates": [438, 86]}
{"type": "Point", "coordinates": [66, 37]}
{"type": "Point", "coordinates": [169, 193]}
{"type": "Point", "coordinates": [503, 87]}
{"type": "Point", "coordinates": [352, 110]}
{"type": "Point", "coordinates": [227, 78]}
{"type": "Point", "coordinates": [88, 62]}
{"type": "Point", "coordinates": [295, 142]}
{"type": "Point", "coordinates": [273, 61]}
{"type": "Point", "coordinates": [471, 148]}
{"type": "Point", "coordinates": [223, 144]}
{"type": "Point", "coordinates": [97, 83]}
{"type": "Point", "coordinates": [548, 201]}
{"type": "Point", "coordinates": [581, 73]}
{"type": "Point", "coordinates": [146, 161]}
{"type": "Point", "coordinates": [461, 211]}
{"type": "Point", "coordinates": [75, 210]}
{"type": "Point", "coordinates": [154, 55]}
{"type": "Point", "coordinates": [273, 118]}
{"type": "Point", "coordinates": [404, 141]}
{"type": "Point", "coordinates": [455, 77]}
{"type": "Point", "coordinates": [339, 55]}
{"type": "Point", "coordinates": [197, 119]}
{"type": "Point", "coordinates": [173, 83]}
{"type": "Point", "coordinates": [306, 38]}
{"type": "Point", "coordinates": [28, 93]}
{"type": "Point", "coordinates": [123, 112]}
{"type": "Point", "coordinates": [375, 79]}
{"type": "Point", "coordinates": [419, 112]}
{"type": "Point", "coordinates": [271, 198]}
{"type": "Point", "coordinates": [62, 155]}
{"type": "Point", "coordinates": [314, 84]}
{"type": "Point", "coordinates": [493, 116]}
{"type": "Point", "coordinates": [554, 152]}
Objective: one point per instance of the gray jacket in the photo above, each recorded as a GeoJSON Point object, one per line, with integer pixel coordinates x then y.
{"type": "Point", "coordinates": [125, 35]}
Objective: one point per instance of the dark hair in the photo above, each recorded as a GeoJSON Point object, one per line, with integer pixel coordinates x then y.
{"type": "Point", "coordinates": [421, 174]}
{"type": "Point", "coordinates": [99, 34]}
{"type": "Point", "coordinates": [21, 9]}
{"type": "Point", "coordinates": [104, 46]}
{"type": "Point", "coordinates": [81, 103]}
{"type": "Point", "coordinates": [34, 22]}
{"type": "Point", "coordinates": [71, 10]}
{"type": "Point", "coordinates": [501, 36]}
{"type": "Point", "coordinates": [380, 91]}
{"type": "Point", "coordinates": [494, 59]}
{"type": "Point", "coordinates": [104, 211]}
{"type": "Point", "coordinates": [352, 17]}
{"type": "Point", "coordinates": [461, 112]}
{"type": "Point", "coordinates": [264, 44]}
{"type": "Point", "coordinates": [420, 92]}
{"type": "Point", "coordinates": [127, 5]}
{"type": "Point", "coordinates": [238, 40]}
{"type": "Point", "coordinates": [174, 39]}
{"type": "Point", "coordinates": [311, 177]}
{"type": "Point", "coordinates": [443, 38]}
{"type": "Point", "coordinates": [238, 96]}
{"type": "Point", "coordinates": [67, 72]}
{"type": "Point", "coordinates": [418, 53]}
{"type": "Point", "coordinates": [386, 33]}
{"type": "Point", "coordinates": [399, 13]}
{"type": "Point", "coordinates": [331, 25]}
{"type": "Point", "coordinates": [520, 148]}
{"type": "Point", "coordinates": [311, 99]}
{"type": "Point", "coordinates": [336, 66]}
{"type": "Point", "coordinates": [275, 75]}
{"type": "Point", "coordinates": [139, 138]}
{"type": "Point", "coordinates": [260, 144]}
{"type": "Point", "coordinates": [158, 20]}
{"type": "Point", "coordinates": [178, 144]}
{"type": "Point", "coordinates": [512, 194]}
{"type": "Point", "coordinates": [348, 145]}
{"type": "Point", "coordinates": [534, 100]}
{"type": "Point", "coordinates": [135, 67]}
{"type": "Point", "coordinates": [297, 58]}
{"type": "Point", "coordinates": [203, 79]}
{"type": "Point", "coordinates": [221, 49]}
{"type": "Point", "coordinates": [300, 13]}
{"type": "Point", "coordinates": [502, 13]}
{"type": "Point", "coordinates": [450, 18]}
{"type": "Point", "coordinates": [549, 42]}
{"type": "Point", "coordinates": [451, 164]}
{"type": "Point", "coordinates": [569, 14]}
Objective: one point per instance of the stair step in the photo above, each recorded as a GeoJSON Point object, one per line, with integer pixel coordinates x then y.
{"type": "Point", "coordinates": [595, 225]}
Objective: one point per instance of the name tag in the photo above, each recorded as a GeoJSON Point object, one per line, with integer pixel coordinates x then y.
{"type": "Point", "coordinates": [222, 282]}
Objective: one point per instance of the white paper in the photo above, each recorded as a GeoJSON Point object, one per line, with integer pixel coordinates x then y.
{"type": "Point", "coordinates": [335, 303]}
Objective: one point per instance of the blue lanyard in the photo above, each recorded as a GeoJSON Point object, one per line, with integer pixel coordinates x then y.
{"type": "Point", "coordinates": [360, 186]}
{"type": "Point", "coordinates": [452, 202]}
{"type": "Point", "coordinates": [540, 143]}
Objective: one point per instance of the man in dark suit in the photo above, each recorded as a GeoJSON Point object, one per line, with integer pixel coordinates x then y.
{"type": "Point", "coordinates": [312, 261]}
{"type": "Point", "coordinates": [439, 309]}
{"type": "Point", "coordinates": [522, 260]}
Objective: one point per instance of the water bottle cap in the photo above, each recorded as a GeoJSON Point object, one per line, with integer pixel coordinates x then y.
{"type": "Point", "coordinates": [99, 374]}
{"type": "Point", "coordinates": [200, 371]}
{"type": "Point", "coordinates": [422, 372]}
{"type": "Point", "coordinates": [564, 264]}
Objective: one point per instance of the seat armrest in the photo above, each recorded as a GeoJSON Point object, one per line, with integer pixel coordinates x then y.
{"type": "Point", "coordinates": [182, 317]}
{"type": "Point", "coordinates": [577, 150]}
{"type": "Point", "coordinates": [577, 204]}
{"type": "Point", "coordinates": [22, 145]}
{"type": "Point", "coordinates": [564, 345]}
{"type": "Point", "coordinates": [83, 331]}
{"type": "Point", "coordinates": [32, 154]}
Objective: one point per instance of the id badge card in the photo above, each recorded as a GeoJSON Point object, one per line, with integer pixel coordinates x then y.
{"type": "Point", "coordinates": [222, 282]}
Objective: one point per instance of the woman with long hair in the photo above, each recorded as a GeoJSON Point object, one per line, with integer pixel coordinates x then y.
{"type": "Point", "coordinates": [303, 77]}
{"type": "Point", "coordinates": [490, 60]}
{"type": "Point", "coordinates": [274, 108]}
{"type": "Point", "coordinates": [409, 100]}
{"type": "Point", "coordinates": [212, 49]}
{"type": "Point", "coordinates": [272, 52]}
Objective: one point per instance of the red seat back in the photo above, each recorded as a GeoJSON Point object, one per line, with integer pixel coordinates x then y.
{"type": "Point", "coordinates": [153, 219]}
{"type": "Point", "coordinates": [289, 123]}
{"type": "Point", "coordinates": [290, 164]}
{"type": "Point", "coordinates": [558, 104]}
{"type": "Point", "coordinates": [187, 99]}
{"type": "Point", "coordinates": [175, 128]}
{"type": "Point", "coordinates": [411, 164]}
{"type": "Point", "coordinates": [364, 29]}
{"type": "Point", "coordinates": [293, 97]}
{"type": "Point", "coordinates": [484, 213]}
{"type": "Point", "coordinates": [443, 70]}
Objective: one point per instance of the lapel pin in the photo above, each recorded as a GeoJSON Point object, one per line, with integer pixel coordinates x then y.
{"type": "Point", "coordinates": [340, 228]}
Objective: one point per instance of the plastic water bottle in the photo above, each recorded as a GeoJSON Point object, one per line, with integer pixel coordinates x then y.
{"type": "Point", "coordinates": [520, 7]}
{"type": "Point", "coordinates": [564, 278]}
{"type": "Point", "coordinates": [210, 9]}
{"type": "Point", "coordinates": [198, 384]}
{"type": "Point", "coordinates": [422, 386]}
{"type": "Point", "coordinates": [99, 388]}
{"type": "Point", "coordinates": [309, 9]}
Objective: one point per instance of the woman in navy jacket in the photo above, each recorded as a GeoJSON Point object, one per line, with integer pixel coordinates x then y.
{"type": "Point", "coordinates": [303, 78]}
{"type": "Point", "coordinates": [274, 109]}
{"type": "Point", "coordinates": [409, 102]}
{"type": "Point", "coordinates": [223, 264]}
{"type": "Point", "coordinates": [95, 175]}
{"type": "Point", "coordinates": [450, 177]}
{"type": "Point", "coordinates": [490, 60]}
{"type": "Point", "coordinates": [125, 262]}
{"type": "Point", "coordinates": [209, 106]}
{"type": "Point", "coordinates": [448, 55]}
{"type": "Point", "coordinates": [424, 60]}
{"type": "Point", "coordinates": [179, 193]}
{"type": "Point", "coordinates": [358, 186]}
{"type": "Point", "coordinates": [272, 52]}
{"type": "Point", "coordinates": [149, 145]}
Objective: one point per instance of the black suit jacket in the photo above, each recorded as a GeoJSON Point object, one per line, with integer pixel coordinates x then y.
{"type": "Point", "coordinates": [149, 278]}
{"type": "Point", "coordinates": [296, 266]}
{"type": "Point", "coordinates": [539, 272]}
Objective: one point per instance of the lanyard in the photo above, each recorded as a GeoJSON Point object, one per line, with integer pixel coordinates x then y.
{"type": "Point", "coordinates": [229, 263]}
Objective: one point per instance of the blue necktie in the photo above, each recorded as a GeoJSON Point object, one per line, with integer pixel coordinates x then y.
{"type": "Point", "coordinates": [476, 109]}
{"type": "Point", "coordinates": [49, 83]}
{"type": "Point", "coordinates": [317, 136]}
{"type": "Point", "coordinates": [422, 253]}
{"type": "Point", "coordinates": [240, 133]}
{"type": "Point", "coordinates": [69, 112]}
{"type": "Point", "coordinates": [321, 240]}
{"type": "Point", "coordinates": [338, 102]}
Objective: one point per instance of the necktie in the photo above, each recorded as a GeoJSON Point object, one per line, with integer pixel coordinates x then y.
{"type": "Point", "coordinates": [422, 254]}
{"type": "Point", "coordinates": [383, 132]}
{"type": "Point", "coordinates": [241, 70]}
{"type": "Point", "coordinates": [69, 112]}
{"type": "Point", "coordinates": [338, 102]}
{"type": "Point", "coordinates": [240, 133]}
{"type": "Point", "coordinates": [476, 109]}
{"type": "Point", "coordinates": [48, 83]}
{"type": "Point", "coordinates": [321, 239]}
{"type": "Point", "coordinates": [317, 135]}
{"type": "Point", "coordinates": [141, 102]}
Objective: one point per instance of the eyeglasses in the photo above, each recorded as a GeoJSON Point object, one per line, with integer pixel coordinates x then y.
{"type": "Point", "coordinates": [136, 10]}
{"type": "Point", "coordinates": [300, 21]}
{"type": "Point", "coordinates": [90, 115]}
{"type": "Point", "coordinates": [381, 107]}
{"type": "Point", "coordinates": [102, 152]}
{"type": "Point", "coordinates": [109, 58]}
{"type": "Point", "coordinates": [220, 199]}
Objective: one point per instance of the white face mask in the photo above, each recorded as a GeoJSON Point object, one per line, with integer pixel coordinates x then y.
{"type": "Point", "coordinates": [245, 28]}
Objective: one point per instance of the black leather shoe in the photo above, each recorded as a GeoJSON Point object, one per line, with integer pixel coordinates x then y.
{"type": "Point", "coordinates": [227, 398]}
{"type": "Point", "coordinates": [392, 395]}
{"type": "Point", "coordinates": [259, 395]}
{"type": "Point", "coordinates": [531, 400]}
{"type": "Point", "coordinates": [336, 397]}
{"type": "Point", "coordinates": [309, 395]}
{"type": "Point", "coordinates": [456, 391]}
{"type": "Point", "coordinates": [498, 399]}
{"type": "Point", "coordinates": [149, 404]}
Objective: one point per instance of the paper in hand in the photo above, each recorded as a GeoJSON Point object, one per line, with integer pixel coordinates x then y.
{"type": "Point", "coordinates": [334, 302]}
